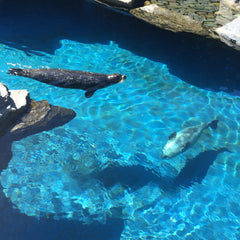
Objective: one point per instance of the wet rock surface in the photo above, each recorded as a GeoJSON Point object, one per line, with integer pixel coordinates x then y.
{"type": "Point", "coordinates": [41, 116]}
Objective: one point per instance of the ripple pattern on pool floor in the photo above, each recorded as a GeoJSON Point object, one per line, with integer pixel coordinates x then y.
{"type": "Point", "coordinates": [56, 173]}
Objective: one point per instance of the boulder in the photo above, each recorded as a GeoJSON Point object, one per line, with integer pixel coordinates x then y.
{"type": "Point", "coordinates": [41, 116]}
{"type": "Point", "coordinates": [20, 117]}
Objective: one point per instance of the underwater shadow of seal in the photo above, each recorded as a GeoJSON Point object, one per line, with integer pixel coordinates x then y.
{"type": "Point", "coordinates": [196, 168]}
{"type": "Point", "coordinates": [133, 177]}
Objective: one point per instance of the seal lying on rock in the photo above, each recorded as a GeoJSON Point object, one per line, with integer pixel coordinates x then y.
{"type": "Point", "coordinates": [179, 142]}
{"type": "Point", "coordinates": [88, 81]}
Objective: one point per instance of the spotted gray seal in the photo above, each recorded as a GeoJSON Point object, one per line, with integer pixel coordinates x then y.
{"type": "Point", "coordinates": [88, 81]}
{"type": "Point", "coordinates": [179, 142]}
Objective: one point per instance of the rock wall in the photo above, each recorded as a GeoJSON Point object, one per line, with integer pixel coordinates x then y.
{"type": "Point", "coordinates": [205, 17]}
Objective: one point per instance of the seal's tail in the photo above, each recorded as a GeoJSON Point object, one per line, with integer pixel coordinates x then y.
{"type": "Point", "coordinates": [213, 124]}
{"type": "Point", "coordinates": [15, 71]}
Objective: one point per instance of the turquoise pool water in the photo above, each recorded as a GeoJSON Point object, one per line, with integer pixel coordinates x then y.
{"type": "Point", "coordinates": [106, 163]}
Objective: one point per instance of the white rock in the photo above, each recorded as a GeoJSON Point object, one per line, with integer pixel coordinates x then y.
{"type": "Point", "coordinates": [4, 95]}
{"type": "Point", "coordinates": [125, 1]}
{"type": "Point", "coordinates": [13, 103]}
{"type": "Point", "coordinates": [152, 8]}
{"type": "Point", "coordinates": [19, 97]}
{"type": "Point", "coordinates": [121, 4]}
{"type": "Point", "coordinates": [230, 33]}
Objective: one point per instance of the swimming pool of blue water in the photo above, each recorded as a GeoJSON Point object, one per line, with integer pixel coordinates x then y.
{"type": "Point", "coordinates": [101, 175]}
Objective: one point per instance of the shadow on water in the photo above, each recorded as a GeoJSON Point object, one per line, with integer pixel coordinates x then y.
{"type": "Point", "coordinates": [196, 168]}
{"type": "Point", "coordinates": [39, 25]}
{"type": "Point", "coordinates": [137, 176]}
{"type": "Point", "coordinates": [132, 177]}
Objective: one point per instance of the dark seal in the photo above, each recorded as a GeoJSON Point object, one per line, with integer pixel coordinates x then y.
{"type": "Point", "coordinates": [88, 81]}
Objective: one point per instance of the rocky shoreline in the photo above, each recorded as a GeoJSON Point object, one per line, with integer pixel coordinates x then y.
{"type": "Point", "coordinates": [218, 19]}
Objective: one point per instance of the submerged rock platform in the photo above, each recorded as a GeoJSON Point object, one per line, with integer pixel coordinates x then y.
{"type": "Point", "coordinates": [218, 19]}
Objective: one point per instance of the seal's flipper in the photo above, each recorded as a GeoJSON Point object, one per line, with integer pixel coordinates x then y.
{"type": "Point", "coordinates": [213, 124]}
{"type": "Point", "coordinates": [172, 136]}
{"type": "Point", "coordinates": [186, 146]}
{"type": "Point", "coordinates": [88, 94]}
{"type": "Point", "coordinates": [15, 71]}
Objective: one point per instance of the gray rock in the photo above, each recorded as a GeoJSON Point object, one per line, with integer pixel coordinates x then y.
{"type": "Point", "coordinates": [41, 116]}
{"type": "Point", "coordinates": [20, 116]}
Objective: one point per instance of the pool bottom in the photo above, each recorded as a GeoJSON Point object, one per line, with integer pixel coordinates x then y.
{"type": "Point", "coordinates": [64, 173]}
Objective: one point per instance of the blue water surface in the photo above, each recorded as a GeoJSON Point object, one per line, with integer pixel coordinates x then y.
{"type": "Point", "coordinates": [101, 175]}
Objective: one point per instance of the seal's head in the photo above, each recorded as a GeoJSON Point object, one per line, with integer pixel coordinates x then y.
{"type": "Point", "coordinates": [116, 78]}
{"type": "Point", "coordinates": [171, 149]}
{"type": "Point", "coordinates": [168, 154]}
